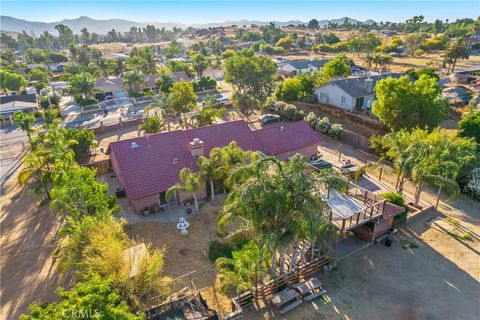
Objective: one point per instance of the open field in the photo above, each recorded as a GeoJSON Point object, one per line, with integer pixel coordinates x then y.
{"type": "Point", "coordinates": [436, 278]}
{"type": "Point", "coordinates": [28, 269]}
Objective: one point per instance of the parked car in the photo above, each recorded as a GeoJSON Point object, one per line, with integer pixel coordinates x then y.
{"type": "Point", "coordinates": [269, 118]}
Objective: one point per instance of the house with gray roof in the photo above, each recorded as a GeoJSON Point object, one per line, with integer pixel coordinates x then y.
{"type": "Point", "coordinates": [355, 93]}
{"type": "Point", "coordinates": [295, 67]}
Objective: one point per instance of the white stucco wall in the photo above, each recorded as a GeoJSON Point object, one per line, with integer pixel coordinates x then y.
{"type": "Point", "coordinates": [334, 97]}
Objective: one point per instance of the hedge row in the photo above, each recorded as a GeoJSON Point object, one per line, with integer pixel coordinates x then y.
{"type": "Point", "coordinates": [321, 125]}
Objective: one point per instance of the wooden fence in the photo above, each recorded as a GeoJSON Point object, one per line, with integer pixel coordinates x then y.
{"type": "Point", "coordinates": [102, 166]}
{"type": "Point", "coordinates": [275, 285]}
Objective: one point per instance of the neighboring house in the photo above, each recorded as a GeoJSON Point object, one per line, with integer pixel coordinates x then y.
{"type": "Point", "coordinates": [11, 104]}
{"type": "Point", "coordinates": [61, 87]}
{"type": "Point", "coordinates": [293, 68]}
{"type": "Point", "coordinates": [350, 93]}
{"type": "Point", "coordinates": [146, 167]}
{"type": "Point", "coordinates": [180, 76]}
{"type": "Point", "coordinates": [216, 74]}
{"type": "Point", "coordinates": [111, 87]}
{"type": "Point", "coordinates": [56, 67]}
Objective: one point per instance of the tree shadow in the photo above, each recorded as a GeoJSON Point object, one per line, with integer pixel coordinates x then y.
{"type": "Point", "coordinates": [28, 242]}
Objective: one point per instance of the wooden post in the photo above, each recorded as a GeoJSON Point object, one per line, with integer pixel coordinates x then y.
{"type": "Point", "coordinates": [380, 174]}
{"type": "Point", "coordinates": [340, 152]}
{"type": "Point", "coordinates": [343, 224]}
{"type": "Point", "coordinates": [438, 197]}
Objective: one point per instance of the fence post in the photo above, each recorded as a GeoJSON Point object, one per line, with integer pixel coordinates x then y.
{"type": "Point", "coordinates": [380, 174]}
{"type": "Point", "coordinates": [438, 197]}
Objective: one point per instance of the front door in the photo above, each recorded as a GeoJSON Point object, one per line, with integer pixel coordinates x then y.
{"type": "Point", "coordinates": [164, 202]}
{"type": "Point", "coordinates": [359, 103]}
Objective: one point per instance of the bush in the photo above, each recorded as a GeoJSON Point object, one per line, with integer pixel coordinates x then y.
{"type": "Point", "coordinates": [44, 102]}
{"type": "Point", "coordinates": [473, 186]}
{"type": "Point", "coordinates": [323, 126]}
{"type": "Point", "coordinates": [218, 249]}
{"type": "Point", "coordinates": [82, 102]}
{"type": "Point", "coordinates": [205, 83]}
{"type": "Point", "coordinates": [398, 200]}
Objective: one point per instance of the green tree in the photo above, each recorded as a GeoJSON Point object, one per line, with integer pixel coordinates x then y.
{"type": "Point", "coordinates": [85, 139]}
{"type": "Point", "coordinates": [434, 158]}
{"type": "Point", "coordinates": [338, 66]}
{"type": "Point", "coordinates": [469, 125]}
{"type": "Point", "coordinates": [172, 50]}
{"type": "Point", "coordinates": [95, 298]}
{"type": "Point", "coordinates": [25, 122]}
{"type": "Point", "coordinates": [253, 76]}
{"type": "Point", "coordinates": [207, 116]}
{"type": "Point", "coordinates": [458, 50]}
{"type": "Point", "coordinates": [65, 35]}
{"type": "Point", "coordinates": [200, 64]}
{"type": "Point", "coordinates": [240, 273]}
{"type": "Point", "coordinates": [182, 98]}
{"type": "Point", "coordinates": [134, 80]}
{"type": "Point", "coordinates": [152, 124]}
{"type": "Point", "coordinates": [313, 24]}
{"type": "Point", "coordinates": [11, 81]}
{"type": "Point", "coordinates": [413, 104]}
{"type": "Point", "coordinates": [39, 74]}
{"type": "Point", "coordinates": [189, 182]}
{"type": "Point", "coordinates": [285, 43]}
{"type": "Point", "coordinates": [413, 42]}
{"type": "Point", "coordinates": [81, 84]}
{"type": "Point", "coordinates": [245, 103]}
{"type": "Point", "coordinates": [35, 55]}
{"type": "Point", "coordinates": [291, 89]}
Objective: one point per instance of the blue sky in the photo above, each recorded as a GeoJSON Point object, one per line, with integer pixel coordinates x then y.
{"type": "Point", "coordinates": [196, 11]}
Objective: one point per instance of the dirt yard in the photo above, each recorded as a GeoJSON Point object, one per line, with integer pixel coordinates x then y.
{"type": "Point", "coordinates": [426, 274]}
{"type": "Point", "coordinates": [27, 267]}
{"type": "Point", "coordinates": [188, 253]}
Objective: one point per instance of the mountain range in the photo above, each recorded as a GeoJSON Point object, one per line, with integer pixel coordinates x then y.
{"type": "Point", "coordinates": [121, 25]}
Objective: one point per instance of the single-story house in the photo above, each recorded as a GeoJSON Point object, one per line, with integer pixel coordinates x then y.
{"type": "Point", "coordinates": [295, 67]}
{"type": "Point", "coordinates": [11, 104]}
{"type": "Point", "coordinates": [180, 76]}
{"type": "Point", "coordinates": [350, 93]}
{"type": "Point", "coordinates": [146, 167]}
{"type": "Point", "coordinates": [216, 74]}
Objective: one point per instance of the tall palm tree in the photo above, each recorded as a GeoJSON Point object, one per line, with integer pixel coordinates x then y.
{"type": "Point", "coordinates": [210, 168]}
{"type": "Point", "coordinates": [207, 116]}
{"type": "Point", "coordinates": [24, 121]}
{"type": "Point", "coordinates": [152, 124]}
{"type": "Point", "coordinates": [160, 104]}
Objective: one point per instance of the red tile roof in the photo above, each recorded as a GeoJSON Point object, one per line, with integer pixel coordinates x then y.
{"type": "Point", "coordinates": [287, 137]}
{"type": "Point", "coordinates": [153, 166]}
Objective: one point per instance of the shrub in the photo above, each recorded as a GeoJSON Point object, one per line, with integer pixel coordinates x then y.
{"type": "Point", "coordinates": [323, 126]}
{"type": "Point", "coordinates": [44, 102]}
{"type": "Point", "coordinates": [398, 200]}
{"type": "Point", "coordinates": [205, 83]}
{"type": "Point", "coordinates": [473, 186]}
{"type": "Point", "coordinates": [218, 249]}
{"type": "Point", "coordinates": [336, 131]}
{"type": "Point", "coordinates": [82, 102]}
{"type": "Point", "coordinates": [311, 119]}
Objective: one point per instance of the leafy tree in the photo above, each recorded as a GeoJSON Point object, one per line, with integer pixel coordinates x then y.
{"type": "Point", "coordinates": [313, 24]}
{"type": "Point", "coordinates": [398, 200]}
{"type": "Point", "coordinates": [11, 81]}
{"type": "Point", "coordinates": [252, 76]}
{"type": "Point", "coordinates": [469, 125]}
{"type": "Point", "coordinates": [207, 116]}
{"type": "Point", "coordinates": [25, 122]}
{"type": "Point", "coordinates": [81, 84]}
{"type": "Point", "coordinates": [240, 273]}
{"type": "Point", "coordinates": [328, 38]}
{"type": "Point", "coordinates": [134, 80]}
{"type": "Point", "coordinates": [245, 103]}
{"type": "Point", "coordinates": [182, 99]}
{"type": "Point", "coordinates": [401, 103]}
{"type": "Point", "coordinates": [291, 89]}
{"type": "Point", "coordinates": [285, 43]}
{"type": "Point", "coordinates": [95, 298]}
{"type": "Point", "coordinates": [38, 74]}
{"type": "Point", "coordinates": [338, 66]}
{"type": "Point", "coordinates": [85, 139]}
{"type": "Point", "coordinates": [35, 55]}
{"type": "Point", "coordinates": [172, 50]}
{"type": "Point", "coordinates": [433, 158]}
{"type": "Point", "coordinates": [200, 64]}
{"type": "Point", "coordinates": [152, 124]}
{"type": "Point", "coordinates": [413, 42]}
{"type": "Point", "coordinates": [164, 82]}
{"type": "Point", "coordinates": [65, 35]}
{"type": "Point", "coordinates": [458, 50]}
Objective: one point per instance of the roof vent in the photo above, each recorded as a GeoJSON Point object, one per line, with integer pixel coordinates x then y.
{"type": "Point", "coordinates": [281, 128]}
{"type": "Point", "coordinates": [174, 160]}
{"type": "Point", "coordinates": [134, 145]}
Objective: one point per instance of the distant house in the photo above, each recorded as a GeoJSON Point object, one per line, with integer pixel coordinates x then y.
{"type": "Point", "coordinates": [350, 93]}
{"type": "Point", "coordinates": [111, 87]}
{"type": "Point", "coordinates": [146, 167]}
{"type": "Point", "coordinates": [56, 67]}
{"type": "Point", "coordinates": [180, 76]}
{"type": "Point", "coordinates": [11, 104]}
{"type": "Point", "coordinates": [216, 74]}
{"type": "Point", "coordinates": [295, 67]}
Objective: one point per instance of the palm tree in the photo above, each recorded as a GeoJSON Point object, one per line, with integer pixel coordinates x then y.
{"type": "Point", "coordinates": [50, 116]}
{"type": "Point", "coordinates": [24, 121]}
{"type": "Point", "coordinates": [189, 182]}
{"type": "Point", "coordinates": [207, 116]}
{"type": "Point", "coordinates": [152, 124]}
{"type": "Point", "coordinates": [161, 104]}
{"type": "Point", "coordinates": [272, 199]}
{"type": "Point", "coordinates": [210, 168]}
{"type": "Point", "coordinates": [103, 67]}
{"type": "Point", "coordinates": [134, 80]}
{"type": "Point", "coordinates": [81, 84]}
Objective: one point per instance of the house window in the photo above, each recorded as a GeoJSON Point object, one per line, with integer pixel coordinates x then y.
{"type": "Point", "coordinates": [343, 100]}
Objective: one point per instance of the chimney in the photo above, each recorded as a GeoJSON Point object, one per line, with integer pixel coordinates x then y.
{"type": "Point", "coordinates": [196, 147]}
